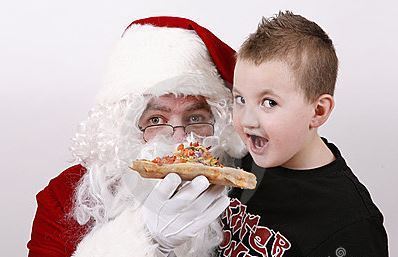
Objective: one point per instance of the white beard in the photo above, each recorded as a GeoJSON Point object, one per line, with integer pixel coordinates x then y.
{"type": "Point", "coordinates": [112, 195]}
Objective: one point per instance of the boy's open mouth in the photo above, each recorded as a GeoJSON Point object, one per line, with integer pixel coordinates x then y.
{"type": "Point", "coordinates": [257, 143]}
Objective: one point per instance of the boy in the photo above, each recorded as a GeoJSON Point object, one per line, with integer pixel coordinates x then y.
{"type": "Point", "coordinates": [308, 203]}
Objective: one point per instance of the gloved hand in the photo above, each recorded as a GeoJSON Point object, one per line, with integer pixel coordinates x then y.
{"type": "Point", "coordinates": [174, 217]}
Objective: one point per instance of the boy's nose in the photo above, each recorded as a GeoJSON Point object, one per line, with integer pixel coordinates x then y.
{"type": "Point", "coordinates": [249, 119]}
{"type": "Point", "coordinates": [179, 134]}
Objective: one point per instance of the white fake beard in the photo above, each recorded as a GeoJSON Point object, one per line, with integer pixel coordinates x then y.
{"type": "Point", "coordinates": [109, 187]}
{"type": "Point", "coordinates": [157, 147]}
{"type": "Point", "coordinates": [109, 140]}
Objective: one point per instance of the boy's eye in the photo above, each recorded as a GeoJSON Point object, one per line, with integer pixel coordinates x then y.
{"type": "Point", "coordinates": [268, 103]}
{"type": "Point", "coordinates": [239, 99]}
{"type": "Point", "coordinates": [156, 120]}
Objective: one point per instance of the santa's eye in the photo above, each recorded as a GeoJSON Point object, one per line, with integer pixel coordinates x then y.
{"type": "Point", "coordinates": [195, 119]}
{"type": "Point", "coordinates": [239, 99]}
{"type": "Point", "coordinates": [156, 120]}
{"type": "Point", "coordinates": [268, 103]}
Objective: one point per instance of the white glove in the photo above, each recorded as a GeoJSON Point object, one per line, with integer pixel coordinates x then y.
{"type": "Point", "coordinates": [174, 217]}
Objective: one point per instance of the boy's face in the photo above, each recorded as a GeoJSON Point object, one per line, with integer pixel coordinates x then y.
{"type": "Point", "coordinates": [271, 113]}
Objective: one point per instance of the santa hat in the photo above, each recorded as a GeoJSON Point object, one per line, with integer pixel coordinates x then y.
{"type": "Point", "coordinates": [161, 55]}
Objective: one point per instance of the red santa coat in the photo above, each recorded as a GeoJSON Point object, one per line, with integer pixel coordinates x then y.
{"type": "Point", "coordinates": [54, 232]}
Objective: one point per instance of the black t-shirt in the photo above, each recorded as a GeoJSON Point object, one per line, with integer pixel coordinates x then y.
{"type": "Point", "coordinates": [321, 212]}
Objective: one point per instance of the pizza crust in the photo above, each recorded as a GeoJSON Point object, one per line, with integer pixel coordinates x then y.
{"type": "Point", "coordinates": [225, 176]}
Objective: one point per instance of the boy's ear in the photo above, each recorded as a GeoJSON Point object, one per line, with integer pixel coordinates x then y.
{"type": "Point", "coordinates": [323, 106]}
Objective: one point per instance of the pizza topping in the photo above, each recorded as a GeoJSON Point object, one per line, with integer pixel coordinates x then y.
{"type": "Point", "coordinates": [194, 153]}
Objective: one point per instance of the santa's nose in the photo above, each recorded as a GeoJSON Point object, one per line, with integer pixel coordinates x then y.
{"type": "Point", "coordinates": [179, 134]}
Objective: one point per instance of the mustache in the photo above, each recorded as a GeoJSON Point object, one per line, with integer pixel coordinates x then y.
{"type": "Point", "coordinates": [162, 145]}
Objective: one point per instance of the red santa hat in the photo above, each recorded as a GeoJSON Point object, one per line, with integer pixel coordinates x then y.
{"type": "Point", "coordinates": [161, 55]}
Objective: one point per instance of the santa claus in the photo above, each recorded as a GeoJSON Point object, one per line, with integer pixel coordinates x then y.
{"type": "Point", "coordinates": [168, 82]}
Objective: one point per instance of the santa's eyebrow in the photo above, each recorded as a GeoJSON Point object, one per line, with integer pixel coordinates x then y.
{"type": "Point", "coordinates": [157, 107]}
{"type": "Point", "coordinates": [198, 106]}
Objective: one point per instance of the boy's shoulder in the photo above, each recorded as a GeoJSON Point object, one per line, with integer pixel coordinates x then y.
{"type": "Point", "coordinates": [353, 191]}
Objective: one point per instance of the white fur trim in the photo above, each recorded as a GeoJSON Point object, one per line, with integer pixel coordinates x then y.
{"type": "Point", "coordinates": [159, 60]}
{"type": "Point", "coordinates": [127, 236]}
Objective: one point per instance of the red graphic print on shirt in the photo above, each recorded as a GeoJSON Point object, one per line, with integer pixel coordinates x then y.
{"type": "Point", "coordinates": [244, 237]}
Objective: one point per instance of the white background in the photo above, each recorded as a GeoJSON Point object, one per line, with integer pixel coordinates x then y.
{"type": "Point", "coordinates": [53, 55]}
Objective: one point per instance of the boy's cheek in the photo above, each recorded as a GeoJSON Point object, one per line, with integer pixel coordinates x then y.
{"type": "Point", "coordinates": [236, 120]}
{"type": "Point", "coordinates": [237, 126]}
{"type": "Point", "coordinates": [238, 111]}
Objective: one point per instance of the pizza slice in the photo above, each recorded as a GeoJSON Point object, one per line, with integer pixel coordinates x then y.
{"type": "Point", "coordinates": [191, 161]}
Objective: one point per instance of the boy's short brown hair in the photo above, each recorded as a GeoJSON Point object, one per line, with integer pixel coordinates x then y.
{"type": "Point", "coordinates": [305, 47]}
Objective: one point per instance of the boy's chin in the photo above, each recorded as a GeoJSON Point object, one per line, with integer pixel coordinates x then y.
{"type": "Point", "coordinates": [268, 160]}
{"type": "Point", "coordinates": [262, 161]}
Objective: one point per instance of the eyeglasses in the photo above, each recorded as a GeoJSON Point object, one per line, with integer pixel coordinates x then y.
{"type": "Point", "coordinates": [201, 129]}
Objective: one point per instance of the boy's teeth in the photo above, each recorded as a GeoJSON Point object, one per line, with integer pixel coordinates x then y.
{"type": "Point", "coordinates": [258, 141]}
